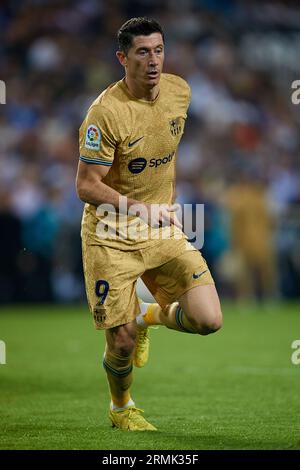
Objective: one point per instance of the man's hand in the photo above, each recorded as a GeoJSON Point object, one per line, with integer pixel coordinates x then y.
{"type": "Point", "coordinates": [161, 215]}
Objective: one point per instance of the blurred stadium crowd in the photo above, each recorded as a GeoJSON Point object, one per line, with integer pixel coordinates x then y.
{"type": "Point", "coordinates": [239, 155]}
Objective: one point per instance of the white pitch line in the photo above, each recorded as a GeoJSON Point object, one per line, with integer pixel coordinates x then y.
{"type": "Point", "coordinates": [293, 370]}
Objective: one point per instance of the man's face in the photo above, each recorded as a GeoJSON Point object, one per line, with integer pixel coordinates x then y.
{"type": "Point", "coordinates": [145, 58]}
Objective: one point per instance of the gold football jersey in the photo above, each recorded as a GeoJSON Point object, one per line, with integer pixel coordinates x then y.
{"type": "Point", "coordinates": [138, 140]}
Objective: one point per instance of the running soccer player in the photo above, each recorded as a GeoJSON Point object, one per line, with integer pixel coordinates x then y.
{"type": "Point", "coordinates": [128, 144]}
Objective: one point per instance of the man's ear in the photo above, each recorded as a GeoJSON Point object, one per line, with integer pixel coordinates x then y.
{"type": "Point", "coordinates": [121, 58]}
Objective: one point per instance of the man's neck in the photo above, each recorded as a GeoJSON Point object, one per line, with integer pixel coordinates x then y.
{"type": "Point", "coordinates": [140, 92]}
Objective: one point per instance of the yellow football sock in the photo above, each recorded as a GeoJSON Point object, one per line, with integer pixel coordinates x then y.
{"type": "Point", "coordinates": [119, 376]}
{"type": "Point", "coordinates": [172, 316]}
{"type": "Point", "coordinates": [151, 316]}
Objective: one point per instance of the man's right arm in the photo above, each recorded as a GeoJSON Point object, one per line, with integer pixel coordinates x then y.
{"type": "Point", "coordinates": [91, 189]}
{"type": "Point", "coordinates": [98, 139]}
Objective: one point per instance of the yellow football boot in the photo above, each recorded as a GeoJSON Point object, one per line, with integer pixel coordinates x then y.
{"type": "Point", "coordinates": [130, 419]}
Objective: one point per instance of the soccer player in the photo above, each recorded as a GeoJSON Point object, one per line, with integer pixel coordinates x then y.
{"type": "Point", "coordinates": [128, 144]}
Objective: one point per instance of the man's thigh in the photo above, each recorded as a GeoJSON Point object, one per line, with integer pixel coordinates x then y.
{"type": "Point", "coordinates": [168, 282]}
{"type": "Point", "coordinates": [110, 279]}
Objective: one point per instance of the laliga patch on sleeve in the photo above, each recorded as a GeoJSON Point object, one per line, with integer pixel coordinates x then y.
{"type": "Point", "coordinates": [92, 138]}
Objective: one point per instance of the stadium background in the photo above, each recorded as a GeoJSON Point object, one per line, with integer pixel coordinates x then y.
{"type": "Point", "coordinates": [239, 156]}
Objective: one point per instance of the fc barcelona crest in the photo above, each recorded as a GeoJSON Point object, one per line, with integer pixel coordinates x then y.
{"type": "Point", "coordinates": [175, 126]}
{"type": "Point", "coordinates": [99, 315]}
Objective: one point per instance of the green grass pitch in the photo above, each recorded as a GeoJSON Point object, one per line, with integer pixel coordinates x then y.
{"type": "Point", "coordinates": [236, 389]}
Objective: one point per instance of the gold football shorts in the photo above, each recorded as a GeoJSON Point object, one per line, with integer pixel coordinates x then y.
{"type": "Point", "coordinates": [168, 268]}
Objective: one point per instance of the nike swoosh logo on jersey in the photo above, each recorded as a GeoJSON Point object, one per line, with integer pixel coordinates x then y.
{"type": "Point", "coordinates": [196, 276]}
{"type": "Point", "coordinates": [130, 144]}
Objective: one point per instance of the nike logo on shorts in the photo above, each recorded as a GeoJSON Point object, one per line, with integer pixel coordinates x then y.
{"type": "Point", "coordinates": [196, 276]}
{"type": "Point", "coordinates": [130, 144]}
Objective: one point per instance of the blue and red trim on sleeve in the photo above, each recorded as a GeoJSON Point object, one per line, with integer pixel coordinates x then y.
{"type": "Point", "coordinates": [96, 161]}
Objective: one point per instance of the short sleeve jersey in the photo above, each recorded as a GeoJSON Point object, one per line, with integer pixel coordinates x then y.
{"type": "Point", "coordinates": [138, 140]}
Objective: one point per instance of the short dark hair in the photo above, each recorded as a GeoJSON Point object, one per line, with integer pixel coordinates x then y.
{"type": "Point", "coordinates": [141, 26]}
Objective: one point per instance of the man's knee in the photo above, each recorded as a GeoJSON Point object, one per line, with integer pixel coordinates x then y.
{"type": "Point", "coordinates": [124, 345]}
{"type": "Point", "coordinates": [211, 325]}
{"type": "Point", "coordinates": [121, 341]}
{"type": "Point", "coordinates": [202, 308]}
{"type": "Point", "coordinates": [208, 324]}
